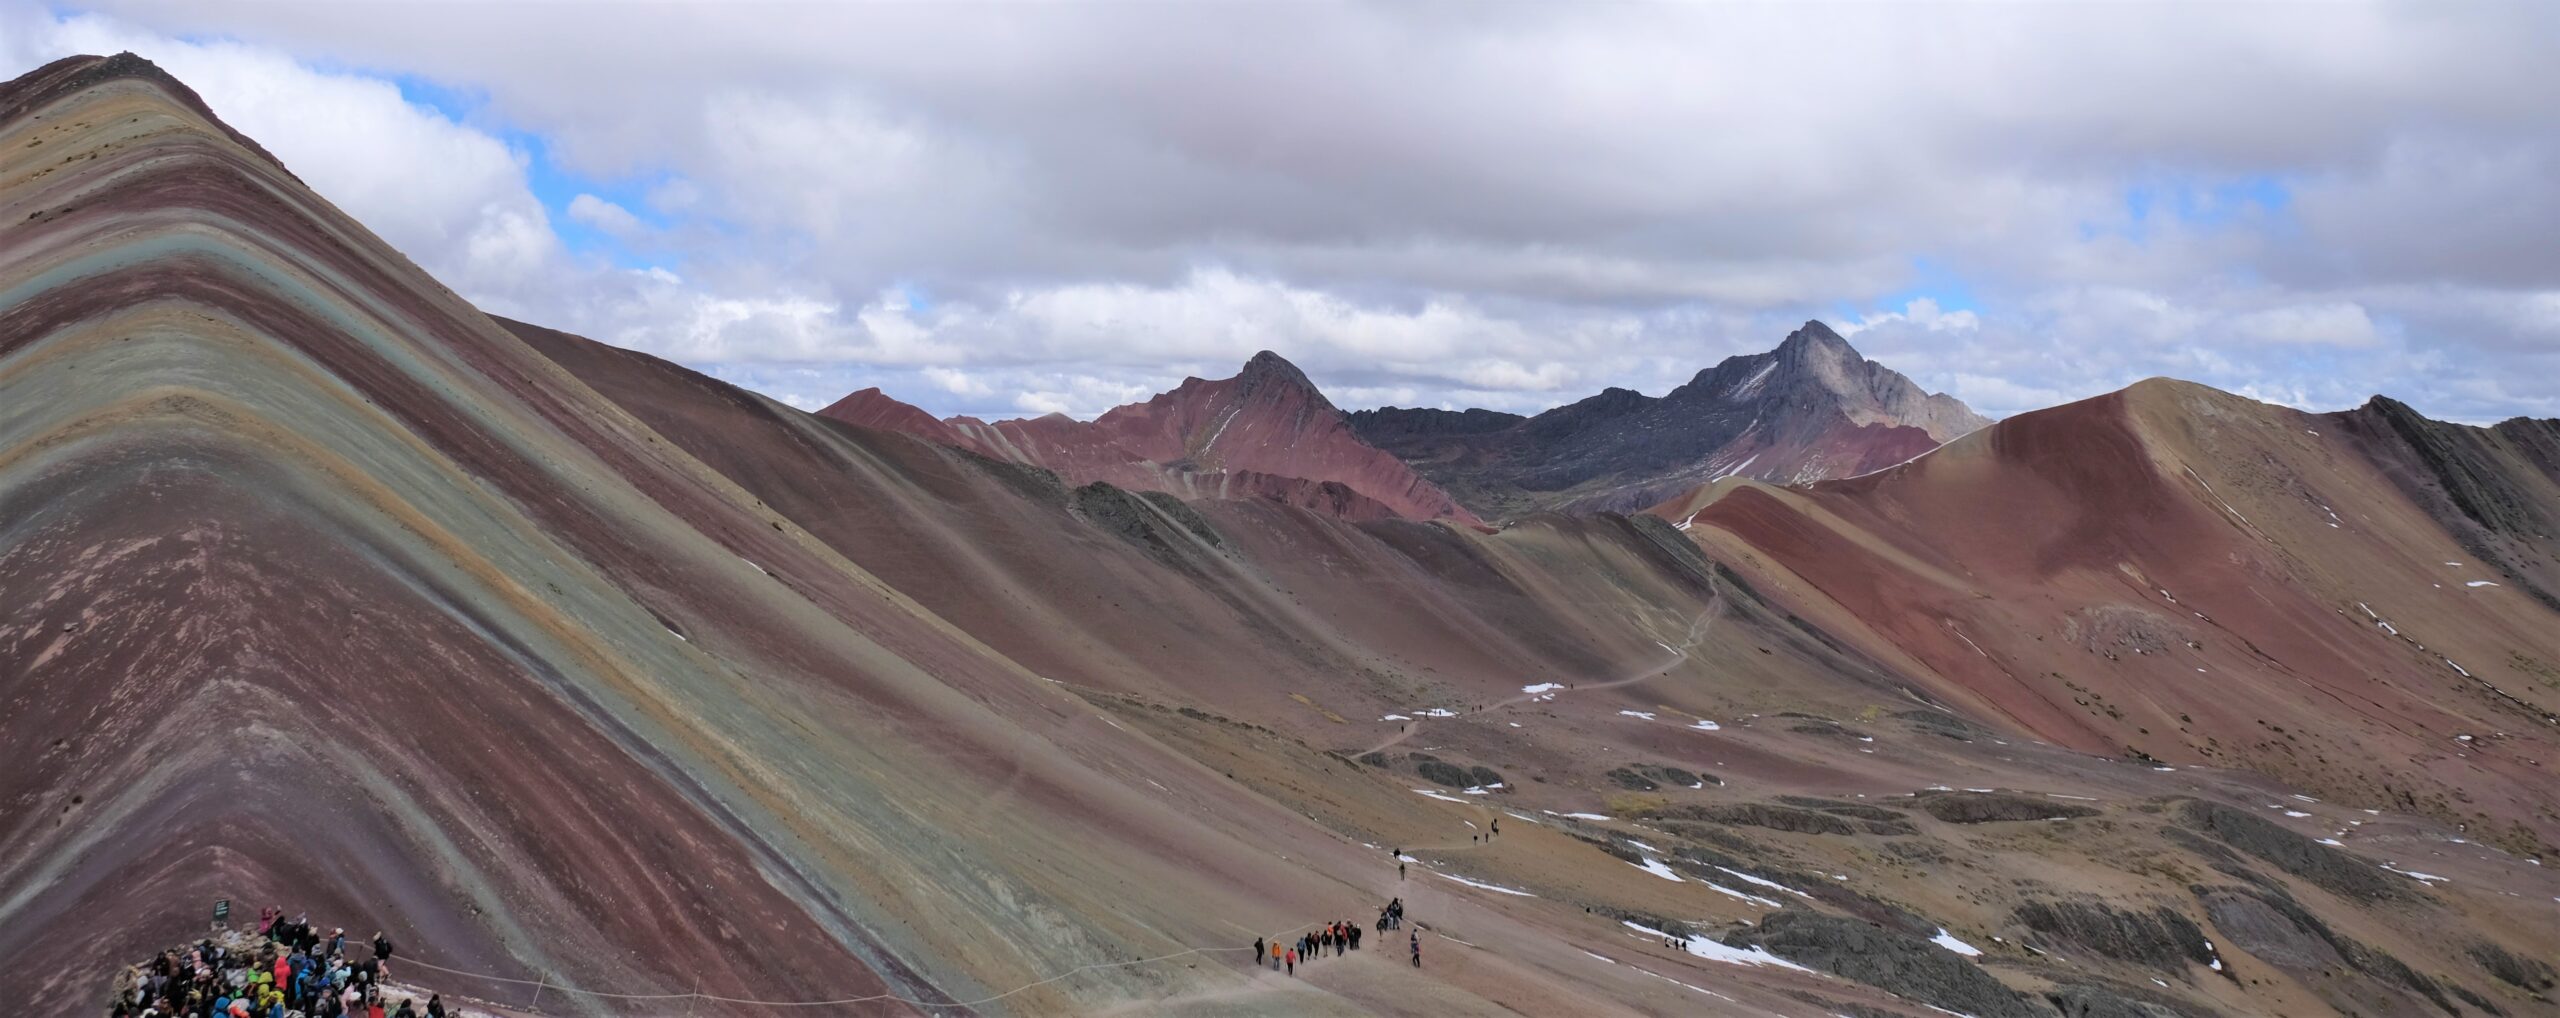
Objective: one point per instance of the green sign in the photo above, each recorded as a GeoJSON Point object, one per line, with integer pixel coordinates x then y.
{"type": "Point", "coordinates": [222, 910]}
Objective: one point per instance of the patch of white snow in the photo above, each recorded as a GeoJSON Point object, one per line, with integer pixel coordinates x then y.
{"type": "Point", "coordinates": [1716, 952]}
{"type": "Point", "coordinates": [1656, 867]}
{"type": "Point", "coordinates": [1948, 940]}
{"type": "Point", "coordinates": [1481, 885]}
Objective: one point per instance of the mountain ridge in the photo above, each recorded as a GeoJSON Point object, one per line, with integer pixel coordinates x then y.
{"type": "Point", "coordinates": [1266, 431]}
{"type": "Point", "coordinates": [1809, 409]}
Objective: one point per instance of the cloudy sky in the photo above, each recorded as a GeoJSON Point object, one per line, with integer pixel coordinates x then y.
{"type": "Point", "coordinates": [1014, 208]}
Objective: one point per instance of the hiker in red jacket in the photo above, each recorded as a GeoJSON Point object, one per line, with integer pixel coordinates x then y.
{"type": "Point", "coordinates": [1293, 961]}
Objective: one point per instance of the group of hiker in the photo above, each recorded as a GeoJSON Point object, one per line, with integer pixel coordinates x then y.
{"type": "Point", "coordinates": [1337, 937]}
{"type": "Point", "coordinates": [289, 969]}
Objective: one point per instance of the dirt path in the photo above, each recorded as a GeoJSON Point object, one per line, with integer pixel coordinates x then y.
{"type": "Point", "coordinates": [1698, 629]}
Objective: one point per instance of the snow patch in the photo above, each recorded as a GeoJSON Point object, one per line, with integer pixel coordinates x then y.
{"type": "Point", "coordinates": [1748, 387]}
{"type": "Point", "coordinates": [1434, 793]}
{"type": "Point", "coordinates": [1655, 867]}
{"type": "Point", "coordinates": [1752, 898]}
{"type": "Point", "coordinates": [1645, 714]}
{"type": "Point", "coordinates": [2480, 583]}
{"type": "Point", "coordinates": [1481, 885]}
{"type": "Point", "coordinates": [1395, 717]}
{"type": "Point", "coordinates": [1765, 882]}
{"type": "Point", "coordinates": [1542, 687]}
{"type": "Point", "coordinates": [1948, 940]}
{"type": "Point", "coordinates": [1705, 725]}
{"type": "Point", "coordinates": [1713, 951]}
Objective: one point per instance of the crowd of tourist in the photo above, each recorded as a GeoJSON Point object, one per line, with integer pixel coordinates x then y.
{"type": "Point", "coordinates": [287, 969]}
{"type": "Point", "coordinates": [1334, 938]}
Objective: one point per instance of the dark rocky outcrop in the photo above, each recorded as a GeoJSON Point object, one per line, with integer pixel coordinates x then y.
{"type": "Point", "coordinates": [2159, 937]}
{"type": "Point", "coordinates": [2280, 931]}
{"type": "Point", "coordinates": [2490, 487]}
{"type": "Point", "coordinates": [2082, 1001]}
{"type": "Point", "coordinates": [2270, 934]}
{"type": "Point", "coordinates": [1895, 962]}
{"type": "Point", "coordinates": [1757, 814]}
{"type": "Point", "coordinates": [2333, 870]}
{"type": "Point", "coordinates": [1651, 777]}
{"type": "Point", "coordinates": [1836, 807]}
{"type": "Point", "coordinates": [1940, 724]}
{"type": "Point", "coordinates": [2533, 975]}
{"type": "Point", "coordinates": [1996, 807]}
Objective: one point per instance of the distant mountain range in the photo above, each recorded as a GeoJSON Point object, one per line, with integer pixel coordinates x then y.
{"type": "Point", "coordinates": [1265, 433]}
{"type": "Point", "coordinates": [1809, 410]}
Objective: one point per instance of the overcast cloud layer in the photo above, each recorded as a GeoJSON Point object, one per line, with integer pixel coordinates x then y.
{"type": "Point", "coordinates": [1019, 208]}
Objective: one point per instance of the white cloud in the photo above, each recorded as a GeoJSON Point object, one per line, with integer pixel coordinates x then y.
{"type": "Point", "coordinates": [606, 216]}
{"type": "Point", "coordinates": [451, 197]}
{"type": "Point", "coordinates": [1511, 207]}
{"type": "Point", "coordinates": [2338, 323]}
{"type": "Point", "coordinates": [1922, 312]}
{"type": "Point", "coordinates": [958, 382]}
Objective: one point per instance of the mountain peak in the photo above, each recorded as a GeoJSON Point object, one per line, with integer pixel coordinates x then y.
{"type": "Point", "coordinates": [1267, 366]}
{"type": "Point", "coordinates": [1266, 433]}
{"type": "Point", "coordinates": [72, 74]}
{"type": "Point", "coordinates": [1813, 336]}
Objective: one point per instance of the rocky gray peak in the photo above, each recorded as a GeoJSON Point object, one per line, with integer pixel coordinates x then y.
{"type": "Point", "coordinates": [1267, 368]}
{"type": "Point", "coordinates": [1816, 339]}
{"type": "Point", "coordinates": [1868, 392]}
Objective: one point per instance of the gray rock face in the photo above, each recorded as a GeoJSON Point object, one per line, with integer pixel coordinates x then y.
{"type": "Point", "coordinates": [2531, 974]}
{"type": "Point", "coordinates": [1894, 962]}
{"type": "Point", "coordinates": [1995, 807]}
{"type": "Point", "coordinates": [2335, 871]}
{"type": "Point", "coordinates": [2280, 931]}
{"type": "Point", "coordinates": [2253, 926]}
{"type": "Point", "coordinates": [2096, 1002]}
{"type": "Point", "coordinates": [2160, 938]}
